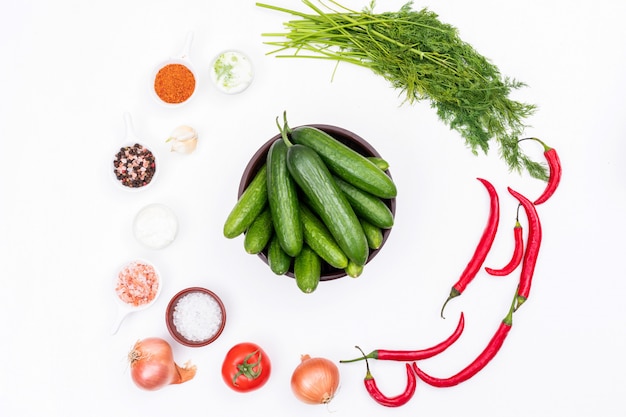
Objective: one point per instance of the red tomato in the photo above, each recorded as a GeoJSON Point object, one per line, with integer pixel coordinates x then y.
{"type": "Point", "coordinates": [246, 367]}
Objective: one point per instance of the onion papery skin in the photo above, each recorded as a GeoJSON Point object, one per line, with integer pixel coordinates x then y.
{"type": "Point", "coordinates": [315, 380]}
{"type": "Point", "coordinates": [152, 365]}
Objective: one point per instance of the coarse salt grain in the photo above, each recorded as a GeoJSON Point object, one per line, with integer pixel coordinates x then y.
{"type": "Point", "coordinates": [197, 316]}
{"type": "Point", "coordinates": [137, 283]}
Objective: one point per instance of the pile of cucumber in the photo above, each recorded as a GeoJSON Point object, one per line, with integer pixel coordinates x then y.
{"type": "Point", "coordinates": [315, 204]}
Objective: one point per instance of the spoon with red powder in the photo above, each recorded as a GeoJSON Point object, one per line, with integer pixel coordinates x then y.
{"type": "Point", "coordinates": [174, 80]}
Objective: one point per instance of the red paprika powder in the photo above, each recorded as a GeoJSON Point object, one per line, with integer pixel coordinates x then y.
{"type": "Point", "coordinates": [174, 83]}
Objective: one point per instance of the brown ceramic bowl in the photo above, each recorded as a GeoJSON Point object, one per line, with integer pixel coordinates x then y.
{"type": "Point", "coordinates": [188, 314]}
{"type": "Point", "coordinates": [348, 138]}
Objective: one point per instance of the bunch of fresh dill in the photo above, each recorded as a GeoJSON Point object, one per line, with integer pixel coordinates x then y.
{"type": "Point", "coordinates": [425, 59]}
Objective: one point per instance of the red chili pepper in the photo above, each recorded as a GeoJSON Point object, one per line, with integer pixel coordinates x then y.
{"type": "Point", "coordinates": [532, 248]}
{"type": "Point", "coordinates": [477, 364]}
{"type": "Point", "coordinates": [518, 251]}
{"type": "Point", "coordinates": [413, 355]}
{"type": "Point", "coordinates": [484, 245]}
{"type": "Point", "coordinates": [554, 163]}
{"type": "Point", "coordinates": [382, 399]}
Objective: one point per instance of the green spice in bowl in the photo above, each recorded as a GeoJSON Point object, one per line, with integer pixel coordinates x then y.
{"type": "Point", "coordinates": [232, 72]}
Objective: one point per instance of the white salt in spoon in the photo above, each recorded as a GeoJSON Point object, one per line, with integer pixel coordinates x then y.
{"type": "Point", "coordinates": [124, 308]}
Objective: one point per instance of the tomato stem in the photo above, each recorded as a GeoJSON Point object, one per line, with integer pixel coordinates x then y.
{"type": "Point", "coordinates": [247, 369]}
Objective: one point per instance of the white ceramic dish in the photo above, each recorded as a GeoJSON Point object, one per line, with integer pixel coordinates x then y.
{"type": "Point", "coordinates": [129, 140]}
{"type": "Point", "coordinates": [124, 308]}
{"type": "Point", "coordinates": [155, 226]}
{"type": "Point", "coordinates": [182, 59]}
{"type": "Point", "coordinates": [232, 72]}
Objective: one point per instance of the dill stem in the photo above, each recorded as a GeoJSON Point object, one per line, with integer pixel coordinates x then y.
{"type": "Point", "coordinates": [423, 57]}
{"type": "Point", "coordinates": [323, 34]}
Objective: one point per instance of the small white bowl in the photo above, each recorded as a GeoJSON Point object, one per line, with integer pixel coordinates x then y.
{"type": "Point", "coordinates": [155, 226]}
{"type": "Point", "coordinates": [232, 72]}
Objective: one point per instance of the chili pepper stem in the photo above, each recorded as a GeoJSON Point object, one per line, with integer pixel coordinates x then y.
{"type": "Point", "coordinates": [371, 355]}
{"type": "Point", "coordinates": [368, 374]}
{"type": "Point", "coordinates": [508, 319]}
{"type": "Point", "coordinates": [453, 293]}
{"type": "Point", "coordinates": [545, 146]}
{"type": "Point", "coordinates": [519, 300]}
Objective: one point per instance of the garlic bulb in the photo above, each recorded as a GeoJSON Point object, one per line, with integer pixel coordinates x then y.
{"type": "Point", "coordinates": [184, 139]}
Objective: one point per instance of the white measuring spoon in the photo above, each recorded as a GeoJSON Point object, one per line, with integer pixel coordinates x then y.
{"type": "Point", "coordinates": [130, 138]}
{"type": "Point", "coordinates": [182, 59]}
{"type": "Point", "coordinates": [124, 308]}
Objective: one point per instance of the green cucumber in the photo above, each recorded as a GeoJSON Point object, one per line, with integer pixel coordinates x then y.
{"type": "Point", "coordinates": [328, 201]}
{"type": "Point", "coordinates": [277, 259]}
{"type": "Point", "coordinates": [250, 204]}
{"type": "Point", "coordinates": [259, 233]}
{"type": "Point", "coordinates": [345, 162]}
{"type": "Point", "coordinates": [283, 199]}
{"type": "Point", "coordinates": [379, 162]}
{"type": "Point", "coordinates": [373, 234]}
{"type": "Point", "coordinates": [367, 206]}
{"type": "Point", "coordinates": [307, 269]}
{"type": "Point", "coordinates": [319, 238]}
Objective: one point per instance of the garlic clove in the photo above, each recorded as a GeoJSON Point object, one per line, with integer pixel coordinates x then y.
{"type": "Point", "coordinates": [184, 139]}
{"type": "Point", "coordinates": [184, 146]}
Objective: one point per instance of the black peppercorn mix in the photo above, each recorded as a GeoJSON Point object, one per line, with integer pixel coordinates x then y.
{"type": "Point", "coordinates": [134, 166]}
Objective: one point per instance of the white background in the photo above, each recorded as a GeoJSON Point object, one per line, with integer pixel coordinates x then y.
{"type": "Point", "coordinates": [70, 69]}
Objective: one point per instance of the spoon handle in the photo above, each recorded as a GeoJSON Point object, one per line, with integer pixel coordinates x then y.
{"type": "Point", "coordinates": [129, 135]}
{"type": "Point", "coordinates": [187, 47]}
{"type": "Point", "coordinates": [121, 315]}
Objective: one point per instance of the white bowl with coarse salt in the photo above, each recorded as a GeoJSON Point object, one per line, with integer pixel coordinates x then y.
{"type": "Point", "coordinates": [195, 317]}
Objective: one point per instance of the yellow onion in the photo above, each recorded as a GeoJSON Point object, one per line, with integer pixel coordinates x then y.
{"type": "Point", "coordinates": [152, 365]}
{"type": "Point", "coordinates": [315, 380]}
